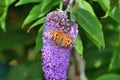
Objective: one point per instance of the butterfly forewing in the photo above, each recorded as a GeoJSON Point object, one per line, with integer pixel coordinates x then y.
{"type": "Point", "coordinates": [67, 40]}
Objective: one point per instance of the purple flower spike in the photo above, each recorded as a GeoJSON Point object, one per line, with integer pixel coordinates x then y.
{"type": "Point", "coordinates": [56, 58]}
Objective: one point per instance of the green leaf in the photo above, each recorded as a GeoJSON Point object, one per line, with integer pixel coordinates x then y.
{"type": "Point", "coordinates": [78, 45]}
{"type": "Point", "coordinates": [86, 18]}
{"type": "Point", "coordinates": [48, 4]}
{"type": "Point", "coordinates": [40, 10]}
{"type": "Point", "coordinates": [114, 3]}
{"type": "Point", "coordinates": [11, 1]}
{"type": "Point", "coordinates": [38, 41]}
{"type": "Point", "coordinates": [40, 21]}
{"type": "Point", "coordinates": [109, 77]}
{"type": "Point", "coordinates": [115, 59]}
{"type": "Point", "coordinates": [2, 21]}
{"type": "Point", "coordinates": [112, 8]}
{"type": "Point", "coordinates": [22, 2]}
{"type": "Point", "coordinates": [34, 14]}
{"type": "Point", "coordinates": [45, 3]}
{"type": "Point", "coordinates": [4, 4]}
{"type": "Point", "coordinates": [3, 9]}
{"type": "Point", "coordinates": [27, 71]}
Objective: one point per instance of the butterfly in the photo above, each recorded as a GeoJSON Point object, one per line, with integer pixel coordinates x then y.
{"type": "Point", "coordinates": [61, 38]}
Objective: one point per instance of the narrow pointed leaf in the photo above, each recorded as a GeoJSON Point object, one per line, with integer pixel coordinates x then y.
{"type": "Point", "coordinates": [109, 77]}
{"type": "Point", "coordinates": [86, 18]}
{"type": "Point", "coordinates": [4, 4]}
{"type": "Point", "coordinates": [39, 11]}
{"type": "Point", "coordinates": [34, 13]}
{"type": "Point", "coordinates": [112, 8]}
{"type": "Point", "coordinates": [40, 21]}
{"type": "Point", "coordinates": [78, 45]}
{"type": "Point", "coordinates": [3, 12]}
{"type": "Point", "coordinates": [21, 2]}
{"type": "Point", "coordinates": [38, 41]}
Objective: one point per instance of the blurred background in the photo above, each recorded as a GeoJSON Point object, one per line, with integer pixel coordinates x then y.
{"type": "Point", "coordinates": [17, 45]}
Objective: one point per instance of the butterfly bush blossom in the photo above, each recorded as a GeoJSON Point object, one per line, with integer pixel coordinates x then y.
{"type": "Point", "coordinates": [56, 58]}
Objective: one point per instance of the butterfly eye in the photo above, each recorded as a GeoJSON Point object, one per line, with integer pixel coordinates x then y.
{"type": "Point", "coordinates": [56, 35]}
{"type": "Point", "coordinates": [68, 41]}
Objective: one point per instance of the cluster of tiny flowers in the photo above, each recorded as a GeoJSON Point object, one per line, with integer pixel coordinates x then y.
{"type": "Point", "coordinates": [56, 59]}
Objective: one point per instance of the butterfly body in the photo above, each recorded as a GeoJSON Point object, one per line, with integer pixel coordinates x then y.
{"type": "Point", "coordinates": [61, 38]}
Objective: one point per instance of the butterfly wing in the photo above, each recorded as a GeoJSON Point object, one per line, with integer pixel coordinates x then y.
{"type": "Point", "coordinates": [67, 41]}
{"type": "Point", "coordinates": [57, 36]}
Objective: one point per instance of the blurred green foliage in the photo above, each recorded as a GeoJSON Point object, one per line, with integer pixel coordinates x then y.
{"type": "Point", "coordinates": [22, 23]}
